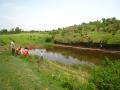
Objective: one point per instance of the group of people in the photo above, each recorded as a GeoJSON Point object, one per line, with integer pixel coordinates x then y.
{"type": "Point", "coordinates": [18, 50]}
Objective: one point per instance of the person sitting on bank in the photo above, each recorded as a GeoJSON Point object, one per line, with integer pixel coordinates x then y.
{"type": "Point", "coordinates": [18, 50]}
{"type": "Point", "coordinates": [24, 51]}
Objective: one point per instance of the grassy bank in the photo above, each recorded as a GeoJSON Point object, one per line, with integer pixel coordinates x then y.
{"type": "Point", "coordinates": [17, 74]}
{"type": "Point", "coordinates": [33, 73]}
{"type": "Point", "coordinates": [103, 33]}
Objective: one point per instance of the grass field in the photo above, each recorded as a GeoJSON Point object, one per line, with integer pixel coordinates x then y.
{"type": "Point", "coordinates": [24, 38]}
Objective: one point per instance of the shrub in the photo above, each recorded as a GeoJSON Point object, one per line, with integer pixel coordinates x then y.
{"type": "Point", "coordinates": [106, 77]}
{"type": "Point", "coordinates": [2, 43]}
{"type": "Point", "coordinates": [48, 39]}
{"type": "Point", "coordinates": [72, 83]}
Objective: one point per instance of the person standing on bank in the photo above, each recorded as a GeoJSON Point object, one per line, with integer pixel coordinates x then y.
{"type": "Point", "coordinates": [12, 45]}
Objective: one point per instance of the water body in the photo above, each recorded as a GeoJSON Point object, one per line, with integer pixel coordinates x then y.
{"type": "Point", "coordinates": [73, 56]}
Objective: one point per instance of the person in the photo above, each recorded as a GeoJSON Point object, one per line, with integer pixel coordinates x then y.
{"type": "Point", "coordinates": [101, 44]}
{"type": "Point", "coordinates": [17, 50]}
{"type": "Point", "coordinates": [12, 45]}
{"type": "Point", "coordinates": [25, 52]}
{"type": "Point", "coordinates": [41, 54]}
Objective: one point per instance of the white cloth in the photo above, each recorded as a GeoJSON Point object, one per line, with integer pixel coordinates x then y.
{"type": "Point", "coordinates": [12, 45]}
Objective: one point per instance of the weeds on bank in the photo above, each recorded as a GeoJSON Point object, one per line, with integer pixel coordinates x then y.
{"type": "Point", "coordinates": [106, 76]}
{"type": "Point", "coordinates": [103, 77]}
{"type": "Point", "coordinates": [57, 74]}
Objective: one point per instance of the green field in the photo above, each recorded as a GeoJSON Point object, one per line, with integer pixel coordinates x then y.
{"type": "Point", "coordinates": [24, 38]}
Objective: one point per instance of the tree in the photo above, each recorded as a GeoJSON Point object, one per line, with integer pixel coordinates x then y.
{"type": "Point", "coordinates": [4, 31]}
{"type": "Point", "coordinates": [17, 30]}
{"type": "Point", "coordinates": [12, 30]}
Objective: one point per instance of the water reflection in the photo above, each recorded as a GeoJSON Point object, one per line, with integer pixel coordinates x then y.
{"type": "Point", "coordinates": [57, 56]}
{"type": "Point", "coordinates": [95, 57]}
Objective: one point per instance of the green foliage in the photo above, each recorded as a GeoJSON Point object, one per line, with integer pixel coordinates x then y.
{"type": "Point", "coordinates": [17, 30]}
{"type": "Point", "coordinates": [106, 77]}
{"type": "Point", "coordinates": [73, 83]}
{"type": "Point", "coordinates": [2, 43]}
{"type": "Point", "coordinates": [12, 31]}
{"type": "Point", "coordinates": [48, 39]}
{"type": "Point", "coordinates": [105, 31]}
{"type": "Point", "coordinates": [3, 31]}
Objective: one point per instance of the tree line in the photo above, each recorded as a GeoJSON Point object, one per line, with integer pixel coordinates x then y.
{"type": "Point", "coordinates": [12, 31]}
{"type": "Point", "coordinates": [110, 25]}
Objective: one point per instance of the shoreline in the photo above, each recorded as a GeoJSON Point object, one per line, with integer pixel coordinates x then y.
{"type": "Point", "coordinates": [86, 48]}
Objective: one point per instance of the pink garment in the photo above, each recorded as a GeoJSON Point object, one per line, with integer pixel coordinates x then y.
{"type": "Point", "coordinates": [25, 52]}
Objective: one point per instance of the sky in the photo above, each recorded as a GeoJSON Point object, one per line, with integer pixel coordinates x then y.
{"type": "Point", "coordinates": [52, 14]}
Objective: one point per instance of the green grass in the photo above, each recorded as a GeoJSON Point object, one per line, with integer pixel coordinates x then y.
{"type": "Point", "coordinates": [24, 38]}
{"type": "Point", "coordinates": [106, 76]}
{"type": "Point", "coordinates": [108, 37]}
{"type": "Point", "coordinates": [18, 74]}
{"type": "Point", "coordinates": [93, 36]}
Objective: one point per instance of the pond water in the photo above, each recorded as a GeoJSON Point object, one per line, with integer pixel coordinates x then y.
{"type": "Point", "coordinates": [73, 56]}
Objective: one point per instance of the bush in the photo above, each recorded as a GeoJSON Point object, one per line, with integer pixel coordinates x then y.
{"type": "Point", "coordinates": [2, 43]}
{"type": "Point", "coordinates": [48, 39]}
{"type": "Point", "coordinates": [106, 77]}
{"type": "Point", "coordinates": [73, 83]}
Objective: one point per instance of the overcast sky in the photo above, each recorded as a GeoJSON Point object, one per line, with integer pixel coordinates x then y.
{"type": "Point", "coordinates": [50, 14]}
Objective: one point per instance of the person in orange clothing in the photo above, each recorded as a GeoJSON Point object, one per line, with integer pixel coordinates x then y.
{"type": "Point", "coordinates": [18, 50]}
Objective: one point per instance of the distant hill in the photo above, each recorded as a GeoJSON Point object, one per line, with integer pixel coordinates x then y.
{"type": "Point", "coordinates": [105, 31]}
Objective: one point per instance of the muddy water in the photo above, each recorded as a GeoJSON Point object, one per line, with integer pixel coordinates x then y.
{"type": "Point", "coordinates": [73, 56]}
